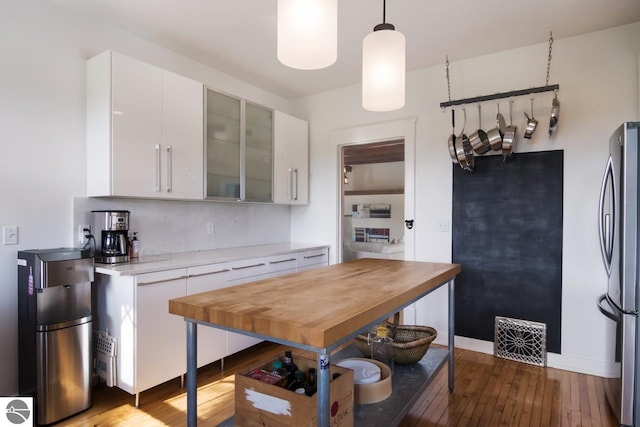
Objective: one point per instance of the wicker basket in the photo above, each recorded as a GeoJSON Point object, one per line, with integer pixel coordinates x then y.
{"type": "Point", "coordinates": [410, 343]}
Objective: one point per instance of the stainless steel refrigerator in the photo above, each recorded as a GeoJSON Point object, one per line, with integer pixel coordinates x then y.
{"type": "Point", "coordinates": [618, 228]}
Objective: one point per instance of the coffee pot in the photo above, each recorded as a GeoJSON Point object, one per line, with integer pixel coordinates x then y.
{"type": "Point", "coordinates": [111, 230]}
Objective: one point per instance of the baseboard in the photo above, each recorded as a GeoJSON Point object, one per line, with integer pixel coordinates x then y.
{"type": "Point", "coordinates": [554, 360]}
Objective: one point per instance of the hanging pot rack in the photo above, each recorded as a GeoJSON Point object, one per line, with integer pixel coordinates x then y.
{"type": "Point", "coordinates": [502, 138]}
{"type": "Point", "coordinates": [510, 94]}
{"type": "Point", "coordinates": [502, 95]}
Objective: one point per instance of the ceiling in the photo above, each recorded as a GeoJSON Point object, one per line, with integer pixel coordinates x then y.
{"type": "Point", "coordinates": [375, 152]}
{"type": "Point", "coordinates": [238, 37]}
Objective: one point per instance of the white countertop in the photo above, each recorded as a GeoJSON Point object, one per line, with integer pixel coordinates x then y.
{"type": "Point", "coordinates": [152, 263]}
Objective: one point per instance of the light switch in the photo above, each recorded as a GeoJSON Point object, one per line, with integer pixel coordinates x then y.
{"type": "Point", "coordinates": [10, 235]}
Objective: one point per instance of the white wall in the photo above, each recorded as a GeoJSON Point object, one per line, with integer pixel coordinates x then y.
{"type": "Point", "coordinates": [377, 176]}
{"type": "Point", "coordinates": [42, 140]}
{"type": "Point", "coordinates": [598, 78]}
{"type": "Point", "coordinates": [180, 226]}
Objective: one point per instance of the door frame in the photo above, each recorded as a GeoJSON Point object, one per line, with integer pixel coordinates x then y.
{"type": "Point", "coordinates": [377, 132]}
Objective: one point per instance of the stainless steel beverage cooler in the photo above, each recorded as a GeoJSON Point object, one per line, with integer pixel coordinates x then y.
{"type": "Point", "coordinates": [55, 330]}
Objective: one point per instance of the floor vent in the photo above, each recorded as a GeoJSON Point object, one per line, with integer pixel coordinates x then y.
{"type": "Point", "coordinates": [520, 340]}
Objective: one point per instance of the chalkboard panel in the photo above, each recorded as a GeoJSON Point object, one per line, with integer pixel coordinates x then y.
{"type": "Point", "coordinates": [507, 235]}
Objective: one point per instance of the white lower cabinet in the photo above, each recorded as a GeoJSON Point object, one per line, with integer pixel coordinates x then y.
{"type": "Point", "coordinates": [244, 271]}
{"type": "Point", "coordinates": [212, 342]}
{"type": "Point", "coordinates": [160, 356]}
{"type": "Point", "coordinates": [308, 260]}
{"type": "Point", "coordinates": [282, 264]}
{"type": "Point", "coordinates": [151, 345]}
{"type": "Point", "coordinates": [134, 309]}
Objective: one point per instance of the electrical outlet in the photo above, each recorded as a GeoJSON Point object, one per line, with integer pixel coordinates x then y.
{"type": "Point", "coordinates": [82, 233]}
{"type": "Point", "coordinates": [10, 235]}
{"type": "Point", "coordinates": [210, 228]}
{"type": "Point", "coordinates": [443, 226]}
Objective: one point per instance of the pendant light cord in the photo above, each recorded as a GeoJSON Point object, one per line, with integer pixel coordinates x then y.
{"type": "Point", "coordinates": [384, 25]}
{"type": "Point", "coordinates": [384, 11]}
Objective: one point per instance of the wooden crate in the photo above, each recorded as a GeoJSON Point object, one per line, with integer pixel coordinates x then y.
{"type": "Point", "coordinates": [259, 404]}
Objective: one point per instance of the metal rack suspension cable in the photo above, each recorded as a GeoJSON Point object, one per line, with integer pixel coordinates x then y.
{"type": "Point", "coordinates": [513, 93]}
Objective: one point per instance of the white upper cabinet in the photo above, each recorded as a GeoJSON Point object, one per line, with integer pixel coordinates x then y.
{"type": "Point", "coordinates": [181, 174]}
{"type": "Point", "coordinates": [144, 130]}
{"type": "Point", "coordinates": [291, 160]}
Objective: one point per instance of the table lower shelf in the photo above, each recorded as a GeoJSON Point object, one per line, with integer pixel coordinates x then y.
{"type": "Point", "coordinates": [407, 383]}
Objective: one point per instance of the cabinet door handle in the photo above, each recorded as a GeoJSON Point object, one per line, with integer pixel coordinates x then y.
{"type": "Point", "coordinates": [313, 256]}
{"type": "Point", "coordinates": [282, 260]}
{"type": "Point", "coordinates": [290, 184]}
{"type": "Point", "coordinates": [156, 187]}
{"type": "Point", "coordinates": [209, 273]}
{"type": "Point", "coordinates": [248, 266]}
{"type": "Point", "coordinates": [295, 197]}
{"type": "Point", "coordinates": [169, 168]}
{"type": "Point", "coordinates": [161, 280]}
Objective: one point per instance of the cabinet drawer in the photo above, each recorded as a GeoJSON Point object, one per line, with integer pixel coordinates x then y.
{"type": "Point", "coordinates": [161, 276]}
{"type": "Point", "coordinates": [313, 257]}
{"type": "Point", "coordinates": [201, 270]}
{"type": "Point", "coordinates": [248, 268]}
{"type": "Point", "coordinates": [282, 262]}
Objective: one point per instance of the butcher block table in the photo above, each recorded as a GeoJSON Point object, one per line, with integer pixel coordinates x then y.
{"type": "Point", "coordinates": [315, 310]}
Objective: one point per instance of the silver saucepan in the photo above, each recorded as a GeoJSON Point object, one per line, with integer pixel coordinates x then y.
{"type": "Point", "coordinates": [496, 134]}
{"type": "Point", "coordinates": [464, 151]}
{"type": "Point", "coordinates": [479, 139]}
{"type": "Point", "coordinates": [510, 135]}
{"type": "Point", "coordinates": [555, 114]}
{"type": "Point", "coordinates": [531, 123]}
{"type": "Point", "coordinates": [452, 138]}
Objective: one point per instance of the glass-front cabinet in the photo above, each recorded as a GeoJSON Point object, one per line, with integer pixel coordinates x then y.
{"type": "Point", "coordinates": [258, 167]}
{"type": "Point", "coordinates": [239, 149]}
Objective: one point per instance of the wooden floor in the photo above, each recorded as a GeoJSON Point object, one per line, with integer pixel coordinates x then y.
{"type": "Point", "coordinates": [488, 392]}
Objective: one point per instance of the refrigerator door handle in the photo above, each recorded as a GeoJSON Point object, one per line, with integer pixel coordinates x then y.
{"type": "Point", "coordinates": [606, 224]}
{"type": "Point", "coordinates": [601, 301]}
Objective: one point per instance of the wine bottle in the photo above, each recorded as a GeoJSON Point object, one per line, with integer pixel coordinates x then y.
{"type": "Point", "coordinates": [311, 386]}
{"type": "Point", "coordinates": [297, 384]}
{"type": "Point", "coordinates": [289, 366]}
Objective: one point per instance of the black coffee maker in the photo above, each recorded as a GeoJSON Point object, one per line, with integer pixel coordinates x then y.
{"type": "Point", "coordinates": [111, 231]}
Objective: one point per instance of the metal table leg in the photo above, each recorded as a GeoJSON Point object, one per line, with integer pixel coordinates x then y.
{"type": "Point", "coordinates": [451, 333]}
{"type": "Point", "coordinates": [192, 370]}
{"type": "Point", "coordinates": [323, 388]}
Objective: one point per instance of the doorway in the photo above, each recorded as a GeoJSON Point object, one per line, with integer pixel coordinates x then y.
{"type": "Point", "coordinates": [372, 189]}
{"type": "Point", "coordinates": [382, 133]}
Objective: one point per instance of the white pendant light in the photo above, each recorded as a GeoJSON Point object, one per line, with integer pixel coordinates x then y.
{"type": "Point", "coordinates": [307, 33]}
{"type": "Point", "coordinates": [383, 68]}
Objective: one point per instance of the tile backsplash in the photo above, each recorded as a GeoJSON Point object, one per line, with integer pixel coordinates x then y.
{"type": "Point", "coordinates": [167, 226]}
